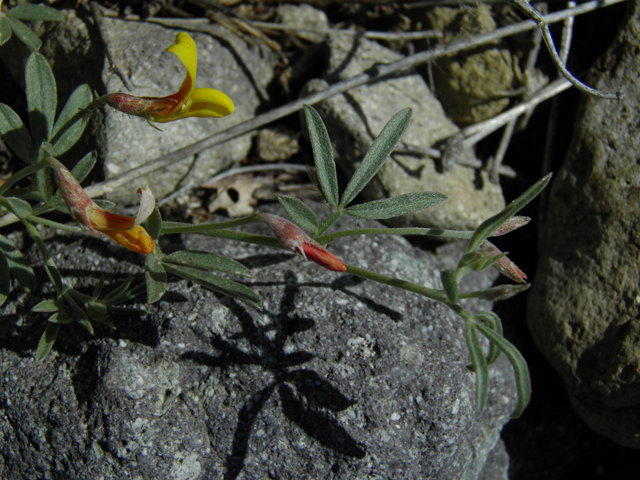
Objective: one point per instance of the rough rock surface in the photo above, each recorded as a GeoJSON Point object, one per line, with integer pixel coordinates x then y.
{"type": "Point", "coordinates": [336, 378]}
{"type": "Point", "coordinates": [584, 309]}
{"type": "Point", "coordinates": [354, 120]}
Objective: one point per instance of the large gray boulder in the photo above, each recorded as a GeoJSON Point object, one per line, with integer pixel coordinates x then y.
{"type": "Point", "coordinates": [355, 119]}
{"type": "Point", "coordinates": [336, 378]}
{"type": "Point", "coordinates": [584, 308]}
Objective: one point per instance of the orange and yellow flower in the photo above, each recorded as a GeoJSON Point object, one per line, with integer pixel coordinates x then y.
{"type": "Point", "coordinates": [186, 102]}
{"type": "Point", "coordinates": [122, 229]}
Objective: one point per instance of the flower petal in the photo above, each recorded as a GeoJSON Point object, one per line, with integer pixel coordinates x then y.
{"type": "Point", "coordinates": [105, 221]}
{"type": "Point", "coordinates": [206, 102]}
{"type": "Point", "coordinates": [147, 204]}
{"type": "Point", "coordinates": [137, 239]}
{"type": "Point", "coordinates": [185, 49]}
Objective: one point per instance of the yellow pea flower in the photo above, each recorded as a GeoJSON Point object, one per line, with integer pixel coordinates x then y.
{"type": "Point", "coordinates": [122, 229]}
{"type": "Point", "coordinates": [186, 102]}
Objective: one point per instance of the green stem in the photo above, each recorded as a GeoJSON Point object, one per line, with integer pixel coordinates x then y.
{"type": "Point", "coordinates": [330, 220]}
{"type": "Point", "coordinates": [431, 293]}
{"type": "Point", "coordinates": [50, 266]}
{"type": "Point", "coordinates": [205, 228]}
{"type": "Point", "coordinates": [56, 225]}
{"type": "Point", "coordinates": [432, 232]}
{"type": "Point", "coordinates": [31, 169]}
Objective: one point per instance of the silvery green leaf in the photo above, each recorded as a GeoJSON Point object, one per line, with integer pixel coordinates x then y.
{"type": "Point", "coordinates": [217, 284]}
{"type": "Point", "coordinates": [209, 261]}
{"type": "Point", "coordinates": [5, 283]}
{"type": "Point", "coordinates": [155, 277]}
{"type": "Point", "coordinates": [19, 207]}
{"type": "Point", "coordinates": [301, 214]}
{"type": "Point", "coordinates": [479, 366]}
{"type": "Point", "coordinates": [520, 368]}
{"type": "Point", "coordinates": [5, 29]}
{"type": "Point", "coordinates": [47, 306]}
{"type": "Point", "coordinates": [24, 33]}
{"type": "Point", "coordinates": [61, 318]}
{"type": "Point", "coordinates": [15, 134]}
{"type": "Point", "coordinates": [114, 295]}
{"type": "Point", "coordinates": [323, 156]}
{"type": "Point", "coordinates": [153, 224]}
{"type": "Point", "coordinates": [46, 340]}
{"type": "Point", "coordinates": [40, 85]}
{"type": "Point", "coordinates": [71, 123]}
{"type": "Point", "coordinates": [396, 206]}
{"type": "Point", "coordinates": [377, 154]}
{"type": "Point", "coordinates": [36, 12]}
{"type": "Point", "coordinates": [18, 265]}
{"type": "Point", "coordinates": [486, 228]}
{"type": "Point", "coordinates": [492, 321]}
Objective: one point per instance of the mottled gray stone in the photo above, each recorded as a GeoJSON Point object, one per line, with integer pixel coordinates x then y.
{"type": "Point", "coordinates": [355, 118]}
{"type": "Point", "coordinates": [584, 308]}
{"type": "Point", "coordinates": [337, 378]}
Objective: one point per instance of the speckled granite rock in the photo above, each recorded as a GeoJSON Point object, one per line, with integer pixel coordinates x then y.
{"type": "Point", "coordinates": [584, 308]}
{"type": "Point", "coordinates": [354, 119]}
{"type": "Point", "coordinates": [336, 378]}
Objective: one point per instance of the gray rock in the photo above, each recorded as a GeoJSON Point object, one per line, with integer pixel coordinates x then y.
{"type": "Point", "coordinates": [584, 308]}
{"type": "Point", "coordinates": [336, 378]}
{"type": "Point", "coordinates": [354, 119]}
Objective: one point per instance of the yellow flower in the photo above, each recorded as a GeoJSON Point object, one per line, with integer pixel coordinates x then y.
{"type": "Point", "coordinates": [186, 102]}
{"type": "Point", "coordinates": [122, 229]}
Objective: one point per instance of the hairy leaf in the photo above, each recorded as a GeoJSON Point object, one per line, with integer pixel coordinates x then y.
{"type": "Point", "coordinates": [209, 261]}
{"type": "Point", "coordinates": [396, 206]}
{"type": "Point", "coordinates": [217, 284]}
{"type": "Point", "coordinates": [47, 306]}
{"type": "Point", "coordinates": [492, 321]}
{"type": "Point", "coordinates": [16, 134]}
{"type": "Point", "coordinates": [36, 12]}
{"type": "Point", "coordinates": [46, 341]}
{"type": "Point", "coordinates": [5, 29]}
{"type": "Point", "coordinates": [520, 368]}
{"type": "Point", "coordinates": [486, 228]}
{"type": "Point", "coordinates": [323, 156]}
{"type": "Point", "coordinates": [71, 123]}
{"type": "Point", "coordinates": [377, 154]}
{"type": "Point", "coordinates": [155, 277]}
{"type": "Point", "coordinates": [24, 33]}
{"type": "Point", "coordinates": [479, 366]}
{"type": "Point", "coordinates": [18, 265]}
{"type": "Point", "coordinates": [41, 97]}
{"type": "Point", "coordinates": [301, 215]}
{"type": "Point", "coordinates": [19, 207]}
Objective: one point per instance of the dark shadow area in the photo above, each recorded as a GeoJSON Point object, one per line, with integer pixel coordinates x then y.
{"type": "Point", "coordinates": [302, 393]}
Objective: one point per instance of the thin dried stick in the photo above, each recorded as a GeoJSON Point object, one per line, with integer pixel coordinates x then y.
{"type": "Point", "coordinates": [548, 40]}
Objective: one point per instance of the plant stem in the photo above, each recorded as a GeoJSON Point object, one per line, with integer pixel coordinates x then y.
{"type": "Point", "coordinates": [21, 174]}
{"type": "Point", "coordinates": [432, 232]}
{"type": "Point", "coordinates": [56, 225]}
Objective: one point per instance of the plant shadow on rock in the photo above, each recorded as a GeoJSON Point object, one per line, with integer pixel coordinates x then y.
{"type": "Point", "coordinates": [304, 396]}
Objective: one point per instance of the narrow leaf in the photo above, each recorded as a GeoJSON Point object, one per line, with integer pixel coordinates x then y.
{"type": "Point", "coordinates": [480, 367]}
{"type": "Point", "coordinates": [71, 123]}
{"type": "Point", "coordinates": [61, 318]}
{"type": "Point", "coordinates": [24, 33]}
{"type": "Point", "coordinates": [16, 134]}
{"type": "Point", "coordinates": [5, 283]}
{"type": "Point", "coordinates": [209, 261]}
{"type": "Point", "coordinates": [155, 277]}
{"type": "Point", "coordinates": [46, 341]}
{"type": "Point", "coordinates": [5, 29]}
{"type": "Point", "coordinates": [396, 206]}
{"type": "Point", "coordinates": [301, 214]}
{"type": "Point", "coordinates": [217, 284]}
{"type": "Point", "coordinates": [41, 97]}
{"type": "Point", "coordinates": [520, 368]}
{"type": "Point", "coordinates": [492, 321]}
{"type": "Point", "coordinates": [490, 225]}
{"type": "Point", "coordinates": [36, 12]}
{"type": "Point", "coordinates": [323, 156]}
{"type": "Point", "coordinates": [153, 224]}
{"type": "Point", "coordinates": [18, 265]}
{"type": "Point", "coordinates": [19, 207]}
{"type": "Point", "coordinates": [377, 154]}
{"type": "Point", "coordinates": [113, 295]}
{"type": "Point", "coordinates": [47, 306]}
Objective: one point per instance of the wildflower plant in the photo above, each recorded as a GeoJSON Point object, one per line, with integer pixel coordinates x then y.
{"type": "Point", "coordinates": [31, 193]}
